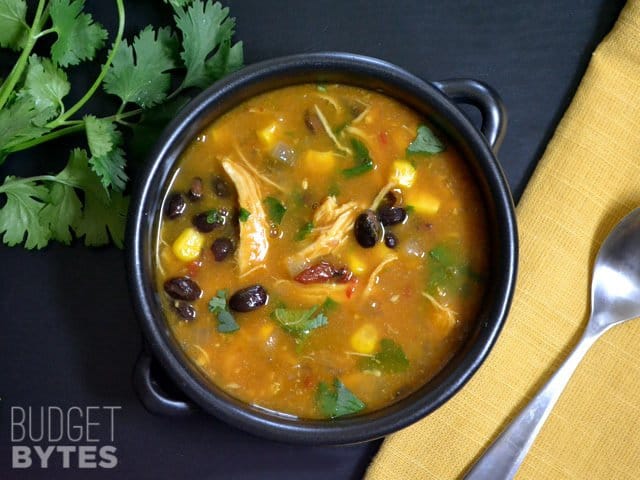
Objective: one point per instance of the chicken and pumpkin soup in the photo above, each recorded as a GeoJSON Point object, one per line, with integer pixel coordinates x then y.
{"type": "Point", "coordinates": [322, 251]}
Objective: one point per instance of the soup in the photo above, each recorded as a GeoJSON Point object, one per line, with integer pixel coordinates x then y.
{"type": "Point", "coordinates": [322, 251]}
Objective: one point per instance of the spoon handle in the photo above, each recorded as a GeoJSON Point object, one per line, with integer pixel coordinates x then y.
{"type": "Point", "coordinates": [505, 455]}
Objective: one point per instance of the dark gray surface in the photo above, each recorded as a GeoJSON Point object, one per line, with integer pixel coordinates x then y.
{"type": "Point", "coordinates": [68, 335]}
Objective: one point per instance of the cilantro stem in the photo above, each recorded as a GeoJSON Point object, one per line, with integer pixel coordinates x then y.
{"type": "Point", "coordinates": [72, 126]}
{"type": "Point", "coordinates": [45, 32]}
{"type": "Point", "coordinates": [76, 127]}
{"type": "Point", "coordinates": [103, 71]}
{"type": "Point", "coordinates": [38, 178]}
{"type": "Point", "coordinates": [17, 70]}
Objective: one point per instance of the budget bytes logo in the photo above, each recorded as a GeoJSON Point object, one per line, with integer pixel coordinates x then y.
{"type": "Point", "coordinates": [73, 437]}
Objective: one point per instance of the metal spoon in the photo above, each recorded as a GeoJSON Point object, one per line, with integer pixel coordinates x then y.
{"type": "Point", "coordinates": [615, 298]}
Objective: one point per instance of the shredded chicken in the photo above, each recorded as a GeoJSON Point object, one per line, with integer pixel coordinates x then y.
{"type": "Point", "coordinates": [313, 293]}
{"type": "Point", "coordinates": [254, 233]}
{"type": "Point", "coordinates": [450, 316]}
{"type": "Point", "coordinates": [332, 224]}
{"type": "Point", "coordinates": [357, 132]}
{"type": "Point", "coordinates": [373, 278]}
{"type": "Point", "coordinates": [362, 115]}
{"type": "Point", "coordinates": [386, 189]}
{"type": "Point", "coordinates": [330, 100]}
{"type": "Point", "coordinates": [253, 170]}
{"type": "Point", "coordinates": [327, 129]}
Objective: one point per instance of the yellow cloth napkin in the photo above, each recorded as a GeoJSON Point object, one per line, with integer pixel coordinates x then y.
{"type": "Point", "coordinates": [587, 180]}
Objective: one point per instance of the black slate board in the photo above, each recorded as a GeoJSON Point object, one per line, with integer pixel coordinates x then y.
{"type": "Point", "coordinates": [68, 335]}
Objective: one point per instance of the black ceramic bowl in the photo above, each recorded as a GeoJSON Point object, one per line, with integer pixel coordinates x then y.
{"type": "Point", "coordinates": [436, 100]}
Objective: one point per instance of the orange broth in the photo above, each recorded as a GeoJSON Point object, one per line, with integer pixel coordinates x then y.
{"type": "Point", "coordinates": [402, 312]}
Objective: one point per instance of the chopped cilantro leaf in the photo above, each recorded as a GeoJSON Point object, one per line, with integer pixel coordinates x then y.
{"type": "Point", "coordinates": [334, 190]}
{"type": "Point", "coordinates": [244, 214]}
{"type": "Point", "coordinates": [448, 272]}
{"type": "Point", "coordinates": [275, 209]}
{"type": "Point", "coordinates": [337, 400]}
{"type": "Point", "coordinates": [389, 359]}
{"type": "Point", "coordinates": [321, 87]}
{"type": "Point", "coordinates": [79, 37]}
{"type": "Point", "coordinates": [329, 305]}
{"type": "Point", "coordinates": [304, 231]}
{"type": "Point", "coordinates": [364, 163]}
{"type": "Point", "coordinates": [425, 142]}
{"type": "Point", "coordinates": [218, 306]}
{"type": "Point", "coordinates": [215, 216]}
{"type": "Point", "coordinates": [299, 322]}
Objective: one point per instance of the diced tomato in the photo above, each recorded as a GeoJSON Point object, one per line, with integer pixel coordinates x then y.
{"type": "Point", "coordinates": [383, 137]}
{"type": "Point", "coordinates": [193, 267]}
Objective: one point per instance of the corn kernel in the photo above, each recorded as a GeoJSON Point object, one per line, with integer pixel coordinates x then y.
{"type": "Point", "coordinates": [319, 163]}
{"type": "Point", "coordinates": [423, 202]}
{"type": "Point", "coordinates": [188, 245]}
{"type": "Point", "coordinates": [403, 173]}
{"type": "Point", "coordinates": [356, 264]}
{"type": "Point", "coordinates": [268, 135]}
{"type": "Point", "coordinates": [365, 339]}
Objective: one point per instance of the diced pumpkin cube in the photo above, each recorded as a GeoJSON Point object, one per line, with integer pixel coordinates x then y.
{"type": "Point", "coordinates": [188, 245]}
{"type": "Point", "coordinates": [365, 339]}
{"type": "Point", "coordinates": [403, 173]}
{"type": "Point", "coordinates": [320, 163]}
{"type": "Point", "coordinates": [423, 202]}
{"type": "Point", "coordinates": [268, 135]}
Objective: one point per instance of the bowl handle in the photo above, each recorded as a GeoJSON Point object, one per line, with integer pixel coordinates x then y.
{"type": "Point", "coordinates": [486, 99]}
{"type": "Point", "coordinates": [152, 395]}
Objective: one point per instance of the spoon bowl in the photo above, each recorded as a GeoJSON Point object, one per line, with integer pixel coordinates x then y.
{"type": "Point", "coordinates": [615, 287]}
{"type": "Point", "coordinates": [615, 298]}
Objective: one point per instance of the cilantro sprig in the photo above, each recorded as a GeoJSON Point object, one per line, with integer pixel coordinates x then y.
{"type": "Point", "coordinates": [426, 142]}
{"type": "Point", "coordinates": [218, 306]}
{"type": "Point", "coordinates": [337, 400]}
{"type": "Point", "coordinates": [152, 75]}
{"type": "Point", "coordinates": [389, 359]}
{"type": "Point", "coordinates": [299, 322]}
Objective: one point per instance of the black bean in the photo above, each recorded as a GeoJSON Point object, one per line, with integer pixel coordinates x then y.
{"type": "Point", "coordinates": [367, 229]}
{"type": "Point", "coordinates": [392, 198]}
{"type": "Point", "coordinates": [222, 247]}
{"type": "Point", "coordinates": [208, 221]}
{"type": "Point", "coordinates": [176, 205]}
{"type": "Point", "coordinates": [390, 240]}
{"type": "Point", "coordinates": [391, 215]}
{"type": "Point", "coordinates": [248, 299]}
{"type": "Point", "coordinates": [221, 187]}
{"type": "Point", "coordinates": [182, 288]}
{"type": "Point", "coordinates": [196, 190]}
{"type": "Point", "coordinates": [185, 310]}
{"type": "Point", "coordinates": [312, 122]}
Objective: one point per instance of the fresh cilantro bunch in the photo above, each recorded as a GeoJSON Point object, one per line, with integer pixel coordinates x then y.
{"type": "Point", "coordinates": [152, 75]}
